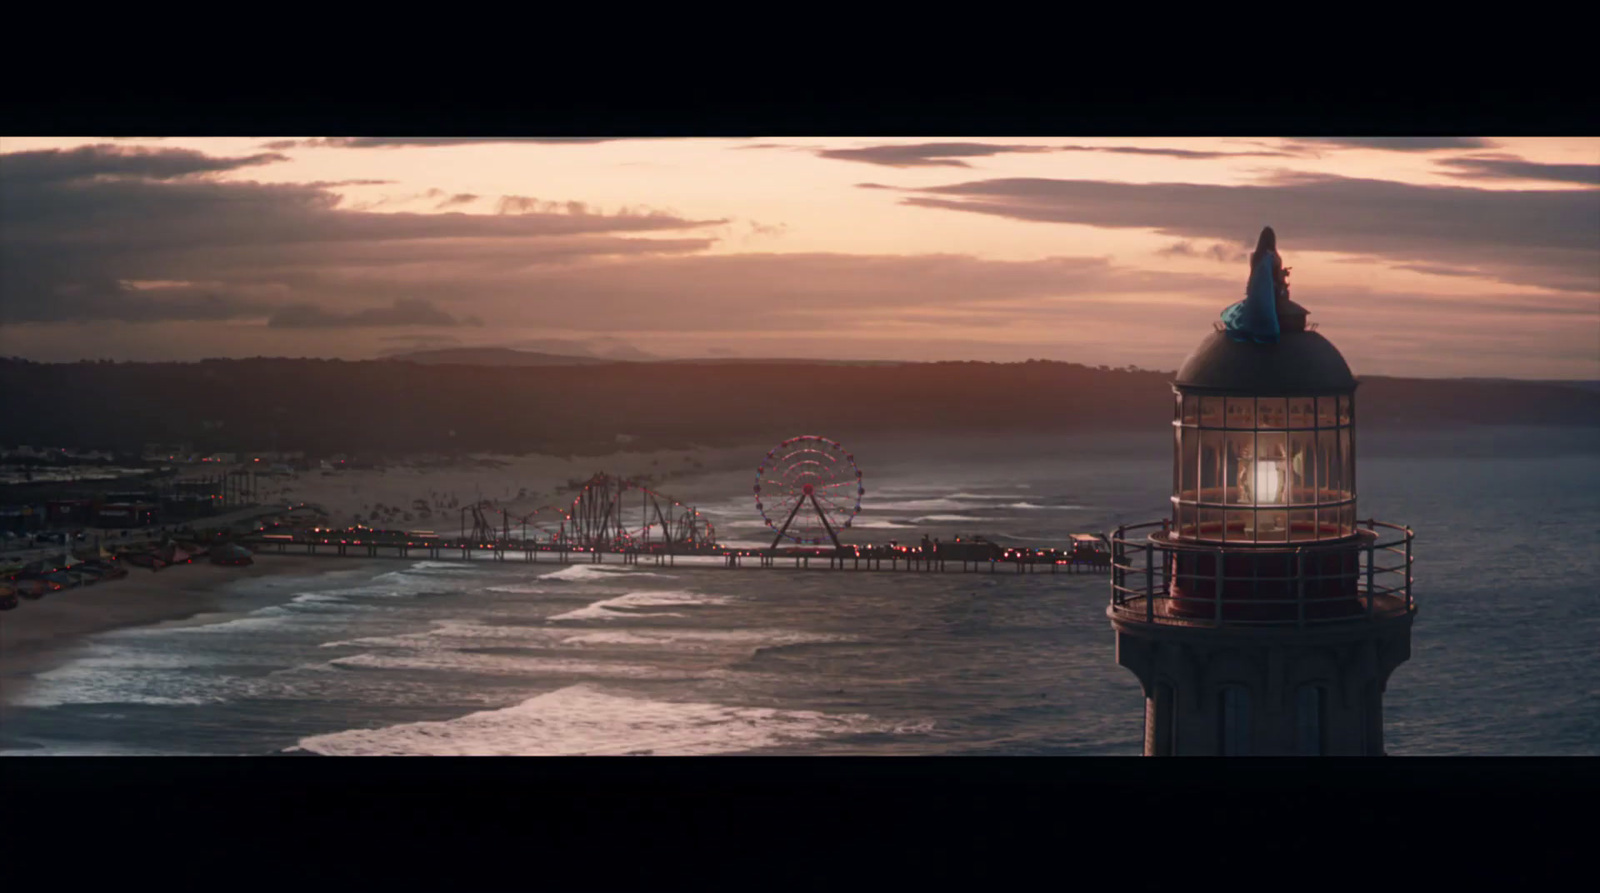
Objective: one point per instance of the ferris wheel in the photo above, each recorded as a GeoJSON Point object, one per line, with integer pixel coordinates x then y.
{"type": "Point", "coordinates": [808, 489]}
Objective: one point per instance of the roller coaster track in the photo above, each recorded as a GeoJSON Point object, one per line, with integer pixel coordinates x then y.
{"type": "Point", "coordinates": [609, 514]}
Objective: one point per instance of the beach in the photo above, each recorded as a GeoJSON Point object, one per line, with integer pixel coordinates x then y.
{"type": "Point", "coordinates": [39, 633]}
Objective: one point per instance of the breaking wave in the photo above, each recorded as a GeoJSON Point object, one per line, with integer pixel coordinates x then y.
{"type": "Point", "coordinates": [668, 598]}
{"type": "Point", "coordinates": [585, 720]}
{"type": "Point", "coordinates": [579, 573]}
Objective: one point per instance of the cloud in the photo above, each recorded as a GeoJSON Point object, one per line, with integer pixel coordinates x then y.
{"type": "Point", "coordinates": [787, 292]}
{"type": "Point", "coordinates": [194, 251]}
{"type": "Point", "coordinates": [1544, 238]}
{"type": "Point", "coordinates": [322, 184]}
{"type": "Point", "coordinates": [1194, 154]}
{"type": "Point", "coordinates": [401, 313]}
{"type": "Point", "coordinates": [522, 204]}
{"type": "Point", "coordinates": [142, 162]}
{"type": "Point", "coordinates": [1398, 143]}
{"type": "Point", "coordinates": [925, 154]}
{"type": "Point", "coordinates": [460, 198]}
{"type": "Point", "coordinates": [950, 154]}
{"type": "Point", "coordinates": [874, 307]}
{"type": "Point", "coordinates": [79, 225]}
{"type": "Point", "coordinates": [420, 339]}
{"type": "Point", "coordinates": [761, 230]}
{"type": "Point", "coordinates": [392, 345]}
{"type": "Point", "coordinates": [432, 142]}
{"type": "Point", "coordinates": [1227, 253]}
{"type": "Point", "coordinates": [601, 347]}
{"type": "Point", "coordinates": [1510, 167]}
{"type": "Point", "coordinates": [1436, 270]}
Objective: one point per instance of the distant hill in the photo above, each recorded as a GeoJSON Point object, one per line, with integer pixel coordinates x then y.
{"type": "Point", "coordinates": [757, 361]}
{"type": "Point", "coordinates": [474, 400]}
{"type": "Point", "coordinates": [505, 356]}
{"type": "Point", "coordinates": [1591, 386]}
{"type": "Point", "coordinates": [492, 356]}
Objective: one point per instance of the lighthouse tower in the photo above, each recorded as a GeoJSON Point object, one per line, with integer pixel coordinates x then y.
{"type": "Point", "coordinates": [1263, 617]}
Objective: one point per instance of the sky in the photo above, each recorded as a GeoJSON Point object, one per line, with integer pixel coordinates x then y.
{"type": "Point", "coordinates": [1430, 257]}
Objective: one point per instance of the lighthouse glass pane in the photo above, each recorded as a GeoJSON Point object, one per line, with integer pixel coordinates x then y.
{"type": "Point", "coordinates": [1241, 526]}
{"type": "Point", "coordinates": [1347, 519]}
{"type": "Point", "coordinates": [1212, 455]}
{"type": "Point", "coordinates": [1241, 412]}
{"type": "Point", "coordinates": [1237, 469]}
{"type": "Point", "coordinates": [1302, 412]}
{"type": "Point", "coordinates": [1191, 409]}
{"type": "Point", "coordinates": [1272, 527]}
{"type": "Point", "coordinates": [1330, 471]}
{"type": "Point", "coordinates": [1347, 460]}
{"type": "Point", "coordinates": [1270, 470]}
{"type": "Point", "coordinates": [1178, 461]}
{"type": "Point", "coordinates": [1302, 467]}
{"type": "Point", "coordinates": [1344, 409]}
{"type": "Point", "coordinates": [1327, 412]}
{"type": "Point", "coordinates": [1189, 459]}
{"type": "Point", "coordinates": [1186, 519]}
{"type": "Point", "coordinates": [1272, 412]}
{"type": "Point", "coordinates": [1177, 407]}
{"type": "Point", "coordinates": [1211, 412]}
{"type": "Point", "coordinates": [1303, 524]}
{"type": "Point", "coordinates": [1210, 524]}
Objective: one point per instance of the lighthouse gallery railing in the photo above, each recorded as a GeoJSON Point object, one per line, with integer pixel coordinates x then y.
{"type": "Point", "coordinates": [1144, 568]}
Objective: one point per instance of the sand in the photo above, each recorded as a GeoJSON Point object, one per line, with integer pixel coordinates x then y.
{"type": "Point", "coordinates": [38, 633]}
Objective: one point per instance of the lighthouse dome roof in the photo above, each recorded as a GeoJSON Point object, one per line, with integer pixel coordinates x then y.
{"type": "Point", "coordinates": [1300, 362]}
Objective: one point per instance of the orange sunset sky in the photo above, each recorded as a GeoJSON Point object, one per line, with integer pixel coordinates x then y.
{"type": "Point", "coordinates": [1435, 257]}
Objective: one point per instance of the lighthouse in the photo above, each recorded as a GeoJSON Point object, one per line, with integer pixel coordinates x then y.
{"type": "Point", "coordinates": [1263, 616]}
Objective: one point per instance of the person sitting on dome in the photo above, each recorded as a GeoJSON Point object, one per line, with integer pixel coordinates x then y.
{"type": "Point", "coordinates": [1256, 317]}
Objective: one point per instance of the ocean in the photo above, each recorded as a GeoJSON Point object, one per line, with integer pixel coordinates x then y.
{"type": "Point", "coordinates": [418, 657]}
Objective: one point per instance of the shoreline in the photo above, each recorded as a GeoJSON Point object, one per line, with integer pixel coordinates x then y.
{"type": "Point", "coordinates": [40, 635]}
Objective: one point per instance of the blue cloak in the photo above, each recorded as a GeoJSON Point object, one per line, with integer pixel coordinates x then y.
{"type": "Point", "coordinates": [1256, 317]}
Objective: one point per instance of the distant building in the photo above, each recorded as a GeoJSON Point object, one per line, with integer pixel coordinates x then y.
{"type": "Point", "coordinates": [20, 518]}
{"type": "Point", "coordinates": [188, 505]}
{"type": "Point", "coordinates": [127, 514]}
{"type": "Point", "coordinates": [69, 511]}
{"type": "Point", "coordinates": [172, 452]}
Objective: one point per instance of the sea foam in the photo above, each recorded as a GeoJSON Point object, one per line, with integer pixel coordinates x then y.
{"type": "Point", "coordinates": [587, 720]}
{"type": "Point", "coordinates": [590, 573]}
{"type": "Point", "coordinates": [651, 598]}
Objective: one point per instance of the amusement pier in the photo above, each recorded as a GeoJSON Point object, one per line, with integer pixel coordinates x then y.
{"type": "Point", "coordinates": [807, 490]}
